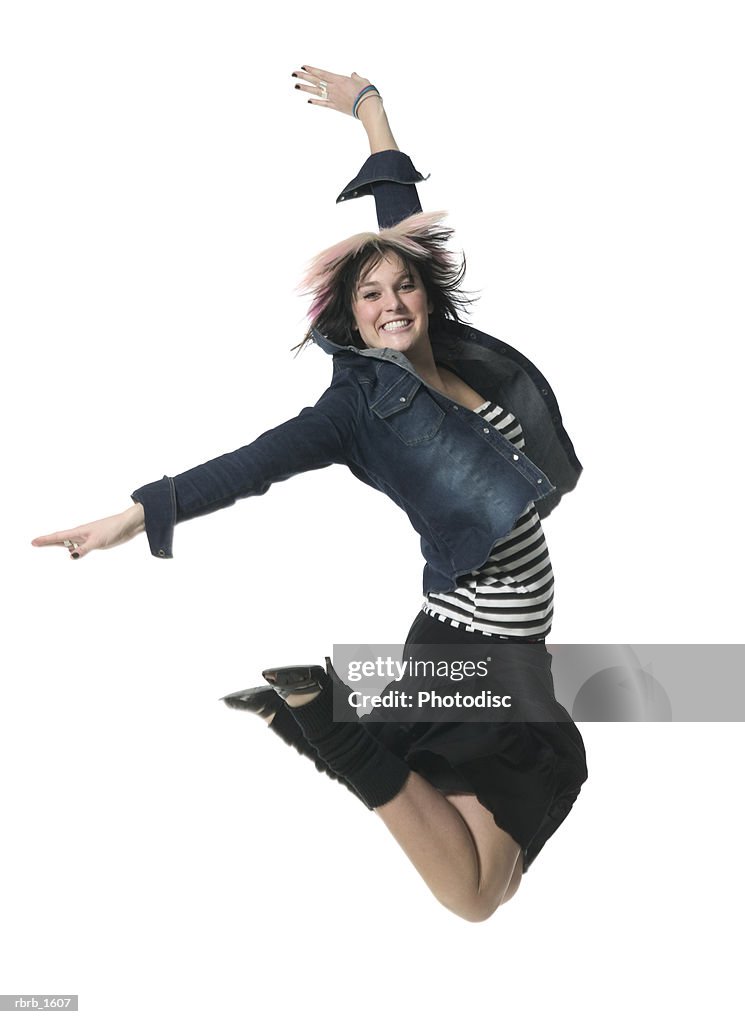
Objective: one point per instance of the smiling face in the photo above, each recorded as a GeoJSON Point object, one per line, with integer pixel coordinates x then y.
{"type": "Point", "coordinates": [390, 307]}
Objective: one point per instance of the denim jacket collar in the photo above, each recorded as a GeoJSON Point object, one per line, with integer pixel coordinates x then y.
{"type": "Point", "coordinates": [459, 345]}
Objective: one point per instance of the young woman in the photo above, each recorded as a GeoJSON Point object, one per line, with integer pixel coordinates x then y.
{"type": "Point", "coordinates": [464, 433]}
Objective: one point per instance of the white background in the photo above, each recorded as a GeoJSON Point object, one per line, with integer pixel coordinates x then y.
{"type": "Point", "coordinates": [163, 187]}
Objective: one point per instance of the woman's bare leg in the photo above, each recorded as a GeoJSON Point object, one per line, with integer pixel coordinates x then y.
{"type": "Point", "coordinates": [469, 864]}
{"type": "Point", "coordinates": [481, 822]}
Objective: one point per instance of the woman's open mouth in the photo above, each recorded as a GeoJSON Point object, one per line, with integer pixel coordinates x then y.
{"type": "Point", "coordinates": [394, 326]}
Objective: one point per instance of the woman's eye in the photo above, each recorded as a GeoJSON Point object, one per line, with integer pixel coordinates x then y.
{"type": "Point", "coordinates": [374, 295]}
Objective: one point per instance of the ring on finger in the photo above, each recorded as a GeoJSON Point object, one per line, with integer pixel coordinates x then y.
{"type": "Point", "coordinates": [323, 86]}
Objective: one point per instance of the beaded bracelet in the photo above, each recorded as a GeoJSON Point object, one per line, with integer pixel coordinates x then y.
{"type": "Point", "coordinates": [364, 94]}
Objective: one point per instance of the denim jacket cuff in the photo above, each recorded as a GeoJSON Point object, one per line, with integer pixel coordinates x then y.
{"type": "Point", "coordinates": [389, 165]}
{"type": "Point", "coordinates": [159, 502]}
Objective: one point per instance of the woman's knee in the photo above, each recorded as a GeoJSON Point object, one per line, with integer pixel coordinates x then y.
{"type": "Point", "coordinates": [479, 907]}
{"type": "Point", "coordinates": [474, 911]}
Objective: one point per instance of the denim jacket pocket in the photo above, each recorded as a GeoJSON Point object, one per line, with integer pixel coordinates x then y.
{"type": "Point", "coordinates": [409, 411]}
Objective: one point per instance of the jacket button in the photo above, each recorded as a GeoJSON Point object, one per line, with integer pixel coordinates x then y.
{"type": "Point", "coordinates": [515, 457]}
{"type": "Point", "coordinates": [539, 480]}
{"type": "Point", "coordinates": [454, 407]}
{"type": "Point", "coordinates": [486, 430]}
{"type": "Point", "coordinates": [402, 399]}
{"type": "Point", "coordinates": [161, 553]}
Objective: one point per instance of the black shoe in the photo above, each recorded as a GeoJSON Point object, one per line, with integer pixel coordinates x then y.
{"type": "Point", "coordinates": [295, 679]}
{"type": "Point", "coordinates": [262, 700]}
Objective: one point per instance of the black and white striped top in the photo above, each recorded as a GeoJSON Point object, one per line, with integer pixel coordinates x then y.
{"type": "Point", "coordinates": [511, 595]}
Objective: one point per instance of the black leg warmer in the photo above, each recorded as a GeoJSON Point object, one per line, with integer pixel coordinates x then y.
{"type": "Point", "coordinates": [351, 751]}
{"type": "Point", "coordinates": [285, 726]}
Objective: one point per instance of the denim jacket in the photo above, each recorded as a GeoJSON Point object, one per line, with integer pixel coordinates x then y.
{"type": "Point", "coordinates": [460, 482]}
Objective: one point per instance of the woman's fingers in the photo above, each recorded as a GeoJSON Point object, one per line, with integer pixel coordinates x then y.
{"type": "Point", "coordinates": [315, 75]}
{"type": "Point", "coordinates": [316, 85]}
{"type": "Point", "coordinates": [311, 76]}
{"type": "Point", "coordinates": [320, 73]}
{"type": "Point", "coordinates": [326, 89]}
{"type": "Point", "coordinates": [76, 550]}
{"type": "Point", "coordinates": [77, 545]}
{"type": "Point", "coordinates": [310, 79]}
{"type": "Point", "coordinates": [73, 540]}
{"type": "Point", "coordinates": [316, 90]}
{"type": "Point", "coordinates": [65, 537]}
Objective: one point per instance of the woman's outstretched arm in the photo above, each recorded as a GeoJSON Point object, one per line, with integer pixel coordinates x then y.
{"type": "Point", "coordinates": [317, 437]}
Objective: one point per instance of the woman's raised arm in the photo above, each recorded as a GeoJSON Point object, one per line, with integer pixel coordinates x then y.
{"type": "Point", "coordinates": [388, 174]}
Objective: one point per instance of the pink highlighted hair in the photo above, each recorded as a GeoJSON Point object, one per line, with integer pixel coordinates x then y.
{"type": "Point", "coordinates": [419, 241]}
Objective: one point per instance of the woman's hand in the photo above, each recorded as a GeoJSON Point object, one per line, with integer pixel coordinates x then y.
{"type": "Point", "coordinates": [342, 90]}
{"type": "Point", "coordinates": [104, 533]}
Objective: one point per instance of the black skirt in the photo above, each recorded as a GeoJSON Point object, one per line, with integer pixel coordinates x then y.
{"type": "Point", "coordinates": [526, 766]}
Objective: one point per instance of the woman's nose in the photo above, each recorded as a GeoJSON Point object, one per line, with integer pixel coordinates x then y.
{"type": "Point", "coordinates": [395, 301]}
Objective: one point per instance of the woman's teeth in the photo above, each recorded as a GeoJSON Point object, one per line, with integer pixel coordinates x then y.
{"type": "Point", "coordinates": [396, 325]}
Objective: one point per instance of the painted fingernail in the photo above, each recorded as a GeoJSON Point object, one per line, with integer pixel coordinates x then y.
{"type": "Point", "coordinates": [304, 67]}
{"type": "Point", "coordinates": [297, 86]}
{"type": "Point", "coordinates": [75, 554]}
{"type": "Point", "coordinates": [294, 74]}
